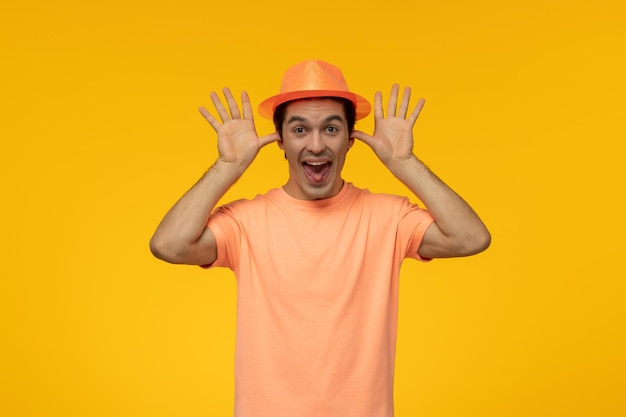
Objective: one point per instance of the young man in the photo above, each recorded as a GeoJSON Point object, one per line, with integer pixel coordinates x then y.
{"type": "Point", "coordinates": [317, 261]}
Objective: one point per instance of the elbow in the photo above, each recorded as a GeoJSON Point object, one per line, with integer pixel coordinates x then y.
{"type": "Point", "coordinates": [479, 242]}
{"type": "Point", "coordinates": [469, 241]}
{"type": "Point", "coordinates": [485, 242]}
{"type": "Point", "coordinates": [175, 249]}
{"type": "Point", "coordinates": [162, 249]}
{"type": "Point", "coordinates": [157, 248]}
{"type": "Point", "coordinates": [472, 243]}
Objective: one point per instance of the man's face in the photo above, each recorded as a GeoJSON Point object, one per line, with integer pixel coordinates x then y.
{"type": "Point", "coordinates": [315, 140]}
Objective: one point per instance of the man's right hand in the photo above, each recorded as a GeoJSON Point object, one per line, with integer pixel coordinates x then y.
{"type": "Point", "coordinates": [183, 235]}
{"type": "Point", "coordinates": [237, 140]}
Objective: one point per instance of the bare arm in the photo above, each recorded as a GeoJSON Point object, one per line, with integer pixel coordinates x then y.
{"type": "Point", "coordinates": [182, 236]}
{"type": "Point", "coordinates": [457, 230]}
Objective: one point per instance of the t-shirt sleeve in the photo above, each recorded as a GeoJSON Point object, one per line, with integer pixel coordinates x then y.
{"type": "Point", "coordinates": [413, 225]}
{"type": "Point", "coordinates": [227, 230]}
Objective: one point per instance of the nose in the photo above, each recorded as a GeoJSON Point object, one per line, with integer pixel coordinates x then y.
{"type": "Point", "coordinates": [316, 143]}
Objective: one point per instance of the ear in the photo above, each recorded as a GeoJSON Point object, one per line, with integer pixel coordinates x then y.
{"type": "Point", "coordinates": [280, 144]}
{"type": "Point", "coordinates": [350, 142]}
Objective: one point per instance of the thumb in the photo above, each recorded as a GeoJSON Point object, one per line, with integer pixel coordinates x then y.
{"type": "Point", "coordinates": [267, 139]}
{"type": "Point", "coordinates": [363, 137]}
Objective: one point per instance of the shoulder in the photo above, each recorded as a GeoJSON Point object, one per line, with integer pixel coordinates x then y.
{"type": "Point", "coordinates": [390, 208]}
{"type": "Point", "coordinates": [245, 205]}
{"type": "Point", "coordinates": [380, 200]}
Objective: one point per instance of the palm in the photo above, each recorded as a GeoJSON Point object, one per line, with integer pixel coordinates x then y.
{"type": "Point", "coordinates": [237, 140]}
{"type": "Point", "coordinates": [392, 140]}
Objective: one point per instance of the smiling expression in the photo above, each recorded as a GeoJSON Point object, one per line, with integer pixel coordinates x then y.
{"type": "Point", "coordinates": [315, 139]}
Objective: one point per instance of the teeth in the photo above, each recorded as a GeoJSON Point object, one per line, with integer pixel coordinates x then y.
{"type": "Point", "coordinates": [316, 163]}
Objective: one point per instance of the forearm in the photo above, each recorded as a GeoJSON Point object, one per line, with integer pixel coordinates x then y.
{"type": "Point", "coordinates": [184, 224]}
{"type": "Point", "coordinates": [461, 229]}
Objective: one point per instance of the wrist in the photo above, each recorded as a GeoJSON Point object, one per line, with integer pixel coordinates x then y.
{"type": "Point", "coordinates": [228, 168]}
{"type": "Point", "coordinates": [404, 166]}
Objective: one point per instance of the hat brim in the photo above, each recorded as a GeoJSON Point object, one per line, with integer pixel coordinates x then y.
{"type": "Point", "coordinates": [267, 107]}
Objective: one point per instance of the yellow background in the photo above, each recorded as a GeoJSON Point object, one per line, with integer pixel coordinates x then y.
{"type": "Point", "coordinates": [100, 135]}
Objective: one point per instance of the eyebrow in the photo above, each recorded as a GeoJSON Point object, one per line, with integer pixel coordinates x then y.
{"type": "Point", "coordinates": [326, 120]}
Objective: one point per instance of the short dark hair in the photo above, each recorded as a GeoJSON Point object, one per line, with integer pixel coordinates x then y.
{"type": "Point", "coordinates": [348, 108]}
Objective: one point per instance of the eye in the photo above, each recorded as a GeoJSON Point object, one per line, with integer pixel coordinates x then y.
{"type": "Point", "coordinates": [332, 129]}
{"type": "Point", "coordinates": [298, 130]}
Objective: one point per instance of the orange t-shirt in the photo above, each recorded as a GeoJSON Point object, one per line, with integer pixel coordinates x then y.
{"type": "Point", "coordinates": [317, 299]}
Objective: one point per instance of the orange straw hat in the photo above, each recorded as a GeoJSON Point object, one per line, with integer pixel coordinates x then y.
{"type": "Point", "coordinates": [313, 78]}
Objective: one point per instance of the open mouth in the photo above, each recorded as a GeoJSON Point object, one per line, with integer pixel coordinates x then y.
{"type": "Point", "coordinates": [316, 171]}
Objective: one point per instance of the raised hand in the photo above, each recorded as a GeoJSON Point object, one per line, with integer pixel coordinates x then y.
{"type": "Point", "coordinates": [392, 140]}
{"type": "Point", "coordinates": [237, 140]}
{"type": "Point", "coordinates": [183, 235]}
